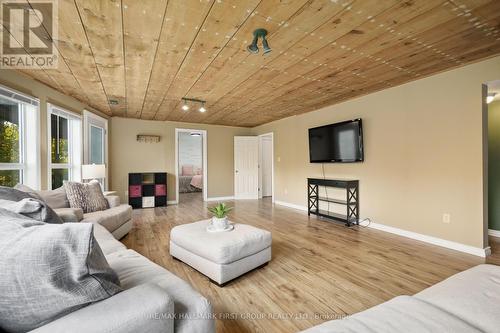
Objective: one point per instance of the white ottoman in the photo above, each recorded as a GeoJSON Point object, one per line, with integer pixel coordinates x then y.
{"type": "Point", "coordinates": [222, 256]}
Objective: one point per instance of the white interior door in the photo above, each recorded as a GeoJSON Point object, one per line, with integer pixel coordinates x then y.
{"type": "Point", "coordinates": [266, 166]}
{"type": "Point", "coordinates": [246, 167]}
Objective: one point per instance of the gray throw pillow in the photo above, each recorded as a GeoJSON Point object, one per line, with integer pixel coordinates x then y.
{"type": "Point", "coordinates": [87, 196]}
{"type": "Point", "coordinates": [48, 271]}
{"type": "Point", "coordinates": [54, 198]}
{"type": "Point", "coordinates": [46, 214]}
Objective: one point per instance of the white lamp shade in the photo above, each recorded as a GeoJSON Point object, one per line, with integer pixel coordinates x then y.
{"type": "Point", "coordinates": [93, 171]}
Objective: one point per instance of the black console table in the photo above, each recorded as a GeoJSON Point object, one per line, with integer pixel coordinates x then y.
{"type": "Point", "coordinates": [351, 202]}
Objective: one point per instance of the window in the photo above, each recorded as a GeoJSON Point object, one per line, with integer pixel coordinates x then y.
{"type": "Point", "coordinates": [19, 140]}
{"type": "Point", "coordinates": [95, 141]}
{"type": "Point", "coordinates": [96, 145]}
{"type": "Point", "coordinates": [64, 146]}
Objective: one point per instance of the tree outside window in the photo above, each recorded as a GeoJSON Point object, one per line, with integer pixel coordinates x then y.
{"type": "Point", "coordinates": [9, 141]}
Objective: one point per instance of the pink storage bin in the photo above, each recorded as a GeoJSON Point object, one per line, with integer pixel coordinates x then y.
{"type": "Point", "coordinates": [160, 189]}
{"type": "Point", "coordinates": [135, 191]}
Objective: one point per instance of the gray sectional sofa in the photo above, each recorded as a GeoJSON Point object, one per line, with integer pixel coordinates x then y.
{"type": "Point", "coordinates": [153, 300]}
{"type": "Point", "coordinates": [117, 219]}
{"type": "Point", "coordinates": [466, 302]}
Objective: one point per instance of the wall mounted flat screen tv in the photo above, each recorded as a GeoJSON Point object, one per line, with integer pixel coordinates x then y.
{"type": "Point", "coordinates": [339, 142]}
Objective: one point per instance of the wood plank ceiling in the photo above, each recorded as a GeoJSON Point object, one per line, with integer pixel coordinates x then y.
{"type": "Point", "coordinates": [148, 54]}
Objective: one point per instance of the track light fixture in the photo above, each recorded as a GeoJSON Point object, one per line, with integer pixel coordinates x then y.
{"type": "Point", "coordinates": [253, 48]}
{"type": "Point", "coordinates": [185, 105]}
{"type": "Point", "coordinates": [202, 107]}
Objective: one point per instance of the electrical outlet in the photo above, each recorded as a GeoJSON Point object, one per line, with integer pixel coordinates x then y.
{"type": "Point", "coordinates": [279, 159]}
{"type": "Point", "coordinates": [446, 218]}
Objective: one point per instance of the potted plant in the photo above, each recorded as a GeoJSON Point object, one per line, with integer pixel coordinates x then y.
{"type": "Point", "coordinates": [219, 220]}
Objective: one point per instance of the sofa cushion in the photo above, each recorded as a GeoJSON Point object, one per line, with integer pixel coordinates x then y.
{"type": "Point", "coordinates": [112, 218]}
{"type": "Point", "coordinates": [400, 314]}
{"type": "Point", "coordinates": [472, 295]}
{"type": "Point", "coordinates": [113, 200]}
{"type": "Point", "coordinates": [144, 309]}
{"type": "Point", "coordinates": [48, 270]}
{"type": "Point", "coordinates": [88, 196]}
{"type": "Point", "coordinates": [45, 214]}
{"type": "Point", "coordinates": [220, 247]}
{"type": "Point", "coordinates": [107, 242]}
{"type": "Point", "coordinates": [55, 198]}
{"type": "Point", "coordinates": [27, 189]}
{"type": "Point", "coordinates": [192, 311]}
{"type": "Point", "coordinates": [70, 214]}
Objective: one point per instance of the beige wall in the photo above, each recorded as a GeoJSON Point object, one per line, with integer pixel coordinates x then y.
{"type": "Point", "coordinates": [45, 94]}
{"type": "Point", "coordinates": [423, 153]}
{"type": "Point", "coordinates": [128, 155]}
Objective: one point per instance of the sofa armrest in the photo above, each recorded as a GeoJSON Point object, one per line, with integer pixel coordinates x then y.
{"type": "Point", "coordinates": [146, 308]}
{"type": "Point", "coordinates": [113, 200]}
{"type": "Point", "coordinates": [69, 214]}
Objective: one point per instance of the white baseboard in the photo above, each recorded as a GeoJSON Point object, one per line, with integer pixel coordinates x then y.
{"type": "Point", "coordinates": [494, 233]}
{"type": "Point", "coordinates": [220, 198]}
{"type": "Point", "coordinates": [477, 251]}
{"type": "Point", "coordinates": [172, 202]}
{"type": "Point", "coordinates": [290, 205]}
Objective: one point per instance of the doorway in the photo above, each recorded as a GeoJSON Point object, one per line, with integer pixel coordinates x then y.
{"type": "Point", "coordinates": [492, 98]}
{"type": "Point", "coordinates": [266, 166]}
{"type": "Point", "coordinates": [253, 167]}
{"type": "Point", "coordinates": [190, 164]}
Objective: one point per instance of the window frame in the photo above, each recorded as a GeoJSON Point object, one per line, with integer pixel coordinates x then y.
{"type": "Point", "coordinates": [22, 166]}
{"type": "Point", "coordinates": [103, 136]}
{"type": "Point", "coordinates": [73, 167]}
{"type": "Point", "coordinates": [91, 119]}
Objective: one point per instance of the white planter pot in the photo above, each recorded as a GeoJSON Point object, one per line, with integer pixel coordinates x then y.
{"type": "Point", "coordinates": [220, 223]}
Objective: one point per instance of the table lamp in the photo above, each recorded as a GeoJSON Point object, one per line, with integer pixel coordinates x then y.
{"type": "Point", "coordinates": [93, 171]}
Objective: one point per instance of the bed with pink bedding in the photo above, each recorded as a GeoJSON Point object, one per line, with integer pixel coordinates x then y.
{"type": "Point", "coordinates": [197, 182]}
{"type": "Point", "coordinates": [190, 180]}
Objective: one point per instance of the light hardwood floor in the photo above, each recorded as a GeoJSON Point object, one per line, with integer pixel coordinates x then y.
{"type": "Point", "coordinates": [319, 270]}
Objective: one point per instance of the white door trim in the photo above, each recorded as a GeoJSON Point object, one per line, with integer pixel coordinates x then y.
{"type": "Point", "coordinates": [205, 171]}
{"type": "Point", "coordinates": [270, 134]}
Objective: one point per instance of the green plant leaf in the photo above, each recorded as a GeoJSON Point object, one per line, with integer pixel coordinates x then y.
{"type": "Point", "coordinates": [220, 210]}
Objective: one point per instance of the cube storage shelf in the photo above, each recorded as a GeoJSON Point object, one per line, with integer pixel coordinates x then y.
{"type": "Point", "coordinates": [147, 190]}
